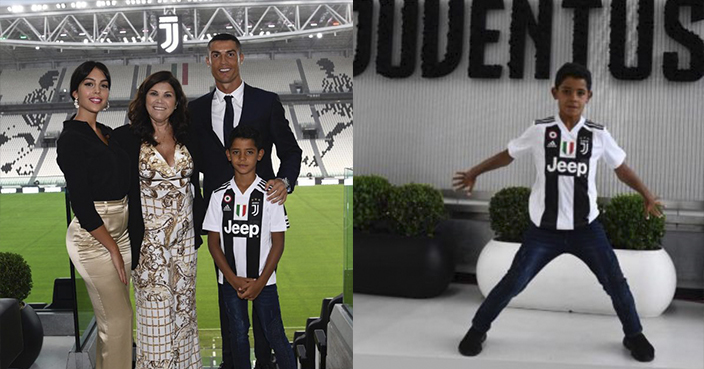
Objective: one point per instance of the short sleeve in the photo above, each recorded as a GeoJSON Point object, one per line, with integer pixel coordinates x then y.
{"type": "Point", "coordinates": [279, 219]}
{"type": "Point", "coordinates": [522, 145]}
{"type": "Point", "coordinates": [213, 217]}
{"type": "Point", "coordinates": [613, 154]}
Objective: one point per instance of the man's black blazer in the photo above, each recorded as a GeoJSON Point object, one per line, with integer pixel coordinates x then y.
{"type": "Point", "coordinates": [261, 110]}
{"type": "Point", "coordinates": [131, 143]}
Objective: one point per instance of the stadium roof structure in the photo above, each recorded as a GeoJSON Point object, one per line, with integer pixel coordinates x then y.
{"type": "Point", "coordinates": [55, 31]}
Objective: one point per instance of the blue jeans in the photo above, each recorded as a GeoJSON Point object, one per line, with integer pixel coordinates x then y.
{"type": "Point", "coordinates": [269, 311]}
{"type": "Point", "coordinates": [539, 247]}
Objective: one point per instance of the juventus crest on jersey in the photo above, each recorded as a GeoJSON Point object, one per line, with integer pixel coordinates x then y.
{"type": "Point", "coordinates": [245, 222]}
{"type": "Point", "coordinates": [564, 193]}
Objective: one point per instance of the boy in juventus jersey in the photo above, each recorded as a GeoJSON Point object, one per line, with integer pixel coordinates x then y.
{"type": "Point", "coordinates": [246, 239]}
{"type": "Point", "coordinates": [563, 209]}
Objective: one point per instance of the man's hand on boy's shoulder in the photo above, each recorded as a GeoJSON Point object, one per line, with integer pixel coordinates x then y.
{"type": "Point", "coordinates": [252, 290]}
{"type": "Point", "coordinates": [276, 190]}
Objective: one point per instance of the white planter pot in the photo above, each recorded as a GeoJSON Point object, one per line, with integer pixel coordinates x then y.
{"type": "Point", "coordinates": [567, 284]}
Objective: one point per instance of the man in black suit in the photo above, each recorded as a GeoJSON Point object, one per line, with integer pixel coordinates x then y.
{"type": "Point", "coordinates": [213, 117]}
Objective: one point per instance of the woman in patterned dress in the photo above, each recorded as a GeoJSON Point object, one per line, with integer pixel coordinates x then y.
{"type": "Point", "coordinates": [166, 212]}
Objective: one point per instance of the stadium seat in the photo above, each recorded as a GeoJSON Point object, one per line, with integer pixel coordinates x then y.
{"type": "Point", "coordinates": [63, 295]}
{"type": "Point", "coordinates": [321, 346]}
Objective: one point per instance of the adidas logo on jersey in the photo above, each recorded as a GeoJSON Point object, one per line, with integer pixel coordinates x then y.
{"type": "Point", "coordinates": [566, 167]}
{"type": "Point", "coordinates": [241, 229]}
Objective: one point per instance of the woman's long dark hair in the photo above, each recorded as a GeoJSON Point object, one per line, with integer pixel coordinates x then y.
{"type": "Point", "coordinates": [140, 122]}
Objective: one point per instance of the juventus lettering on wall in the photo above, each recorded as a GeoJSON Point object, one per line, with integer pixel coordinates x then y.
{"type": "Point", "coordinates": [169, 35]}
{"type": "Point", "coordinates": [524, 23]}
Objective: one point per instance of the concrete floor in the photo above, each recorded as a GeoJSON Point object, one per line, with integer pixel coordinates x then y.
{"type": "Point", "coordinates": [409, 333]}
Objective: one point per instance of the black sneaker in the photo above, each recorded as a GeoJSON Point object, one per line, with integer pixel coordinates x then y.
{"type": "Point", "coordinates": [471, 344]}
{"type": "Point", "coordinates": [640, 348]}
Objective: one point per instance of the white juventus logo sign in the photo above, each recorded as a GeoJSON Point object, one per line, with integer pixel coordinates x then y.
{"type": "Point", "coordinates": [169, 35]}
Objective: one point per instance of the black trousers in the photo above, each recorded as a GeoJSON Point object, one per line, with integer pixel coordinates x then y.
{"type": "Point", "coordinates": [262, 350]}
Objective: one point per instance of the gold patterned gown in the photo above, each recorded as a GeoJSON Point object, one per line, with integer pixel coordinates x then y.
{"type": "Point", "coordinates": [165, 279]}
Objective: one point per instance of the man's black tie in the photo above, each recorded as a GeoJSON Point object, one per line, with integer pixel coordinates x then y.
{"type": "Point", "coordinates": [228, 123]}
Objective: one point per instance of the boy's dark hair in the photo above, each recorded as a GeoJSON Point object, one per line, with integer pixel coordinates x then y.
{"type": "Point", "coordinates": [225, 37]}
{"type": "Point", "coordinates": [246, 132]}
{"type": "Point", "coordinates": [83, 70]}
{"type": "Point", "coordinates": [573, 70]}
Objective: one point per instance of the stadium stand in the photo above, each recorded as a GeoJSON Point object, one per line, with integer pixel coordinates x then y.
{"type": "Point", "coordinates": [49, 168]}
{"type": "Point", "coordinates": [271, 75]}
{"type": "Point", "coordinates": [335, 118]}
{"type": "Point", "coordinates": [18, 136]}
{"type": "Point", "coordinates": [304, 115]}
{"type": "Point", "coordinates": [309, 163]}
{"type": "Point", "coordinates": [29, 87]}
{"type": "Point", "coordinates": [23, 158]}
{"type": "Point", "coordinates": [327, 74]}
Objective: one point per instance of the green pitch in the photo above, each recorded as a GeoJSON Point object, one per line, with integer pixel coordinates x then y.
{"type": "Point", "coordinates": [310, 269]}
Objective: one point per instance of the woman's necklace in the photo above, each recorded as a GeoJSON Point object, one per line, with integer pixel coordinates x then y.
{"type": "Point", "coordinates": [157, 134]}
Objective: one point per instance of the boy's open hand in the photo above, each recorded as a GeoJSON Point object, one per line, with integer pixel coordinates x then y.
{"type": "Point", "coordinates": [652, 206]}
{"type": "Point", "coordinates": [464, 181]}
{"type": "Point", "coordinates": [252, 290]}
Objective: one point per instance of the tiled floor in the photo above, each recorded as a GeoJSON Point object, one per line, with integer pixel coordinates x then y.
{"type": "Point", "coordinates": [54, 352]}
{"type": "Point", "coordinates": [409, 333]}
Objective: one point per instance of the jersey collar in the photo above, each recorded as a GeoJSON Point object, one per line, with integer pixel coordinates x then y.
{"type": "Point", "coordinates": [575, 130]}
{"type": "Point", "coordinates": [249, 190]}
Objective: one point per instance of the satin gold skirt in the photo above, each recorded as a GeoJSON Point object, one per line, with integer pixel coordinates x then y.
{"type": "Point", "coordinates": [109, 296]}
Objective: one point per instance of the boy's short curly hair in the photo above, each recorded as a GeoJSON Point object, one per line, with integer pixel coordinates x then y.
{"type": "Point", "coordinates": [573, 70]}
{"type": "Point", "coordinates": [246, 132]}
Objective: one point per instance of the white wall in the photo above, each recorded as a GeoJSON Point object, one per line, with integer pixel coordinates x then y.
{"type": "Point", "coordinates": [423, 130]}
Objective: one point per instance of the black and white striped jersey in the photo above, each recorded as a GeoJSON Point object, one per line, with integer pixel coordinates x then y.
{"type": "Point", "coordinates": [245, 222]}
{"type": "Point", "coordinates": [564, 193]}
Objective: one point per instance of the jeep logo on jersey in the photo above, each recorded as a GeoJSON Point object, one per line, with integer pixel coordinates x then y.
{"type": "Point", "coordinates": [241, 229]}
{"type": "Point", "coordinates": [567, 167]}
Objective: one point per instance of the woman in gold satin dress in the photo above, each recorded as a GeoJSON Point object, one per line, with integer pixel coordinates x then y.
{"type": "Point", "coordinates": [166, 212]}
{"type": "Point", "coordinates": [96, 169]}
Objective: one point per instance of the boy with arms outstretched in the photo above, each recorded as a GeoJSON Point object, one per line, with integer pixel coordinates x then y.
{"type": "Point", "coordinates": [246, 240]}
{"type": "Point", "coordinates": [563, 209]}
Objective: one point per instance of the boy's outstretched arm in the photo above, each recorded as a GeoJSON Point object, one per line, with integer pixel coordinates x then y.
{"type": "Point", "coordinates": [277, 249]}
{"type": "Point", "coordinates": [238, 283]}
{"type": "Point", "coordinates": [465, 180]}
{"type": "Point", "coordinates": [626, 175]}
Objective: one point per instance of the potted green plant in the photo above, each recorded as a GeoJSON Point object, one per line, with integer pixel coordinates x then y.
{"type": "Point", "coordinates": [566, 283]}
{"type": "Point", "coordinates": [508, 212]}
{"type": "Point", "coordinates": [398, 248]}
{"type": "Point", "coordinates": [627, 227]}
{"type": "Point", "coordinates": [16, 282]}
{"type": "Point", "coordinates": [371, 194]}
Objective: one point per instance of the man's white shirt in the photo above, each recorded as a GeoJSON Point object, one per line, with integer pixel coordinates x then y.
{"type": "Point", "coordinates": [218, 109]}
{"type": "Point", "coordinates": [564, 193]}
{"type": "Point", "coordinates": [248, 230]}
